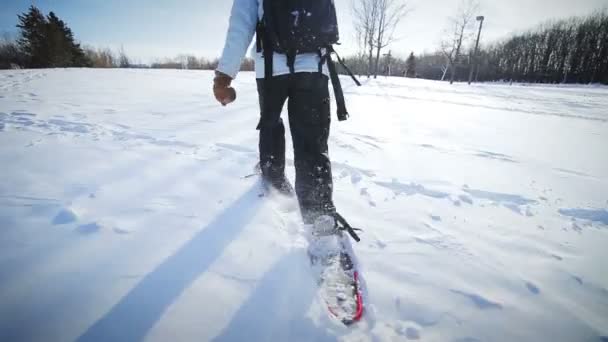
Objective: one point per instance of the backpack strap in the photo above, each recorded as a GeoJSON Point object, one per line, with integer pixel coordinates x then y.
{"type": "Point", "coordinates": [350, 73]}
{"type": "Point", "coordinates": [339, 94]}
{"type": "Point", "coordinates": [268, 61]}
{"type": "Point", "coordinates": [335, 81]}
{"type": "Point", "coordinates": [322, 59]}
{"type": "Point", "coordinates": [266, 41]}
{"type": "Point", "coordinates": [291, 60]}
{"type": "Point", "coordinates": [261, 45]}
{"type": "Point", "coordinates": [259, 33]}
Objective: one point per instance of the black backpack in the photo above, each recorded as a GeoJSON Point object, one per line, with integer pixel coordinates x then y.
{"type": "Point", "coordinates": [300, 26]}
{"type": "Point", "coordinates": [293, 27]}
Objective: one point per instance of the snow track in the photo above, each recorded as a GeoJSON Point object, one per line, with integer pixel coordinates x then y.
{"type": "Point", "coordinates": [125, 214]}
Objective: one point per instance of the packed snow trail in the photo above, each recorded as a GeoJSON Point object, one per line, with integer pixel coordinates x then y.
{"type": "Point", "coordinates": [126, 213]}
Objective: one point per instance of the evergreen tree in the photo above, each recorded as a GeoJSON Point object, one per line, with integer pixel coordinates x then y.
{"type": "Point", "coordinates": [68, 52]}
{"type": "Point", "coordinates": [60, 40]}
{"type": "Point", "coordinates": [410, 66]}
{"type": "Point", "coordinates": [33, 37]}
{"type": "Point", "coordinates": [49, 42]}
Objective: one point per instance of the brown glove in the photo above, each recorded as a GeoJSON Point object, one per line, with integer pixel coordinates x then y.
{"type": "Point", "coordinates": [222, 90]}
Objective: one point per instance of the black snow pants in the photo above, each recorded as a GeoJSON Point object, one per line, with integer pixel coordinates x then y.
{"type": "Point", "coordinates": [309, 120]}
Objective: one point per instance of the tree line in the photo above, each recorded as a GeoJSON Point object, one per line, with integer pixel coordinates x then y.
{"type": "Point", "coordinates": [106, 58]}
{"type": "Point", "coordinates": [48, 42]}
{"type": "Point", "coordinates": [573, 50]}
{"type": "Point", "coordinates": [45, 42]}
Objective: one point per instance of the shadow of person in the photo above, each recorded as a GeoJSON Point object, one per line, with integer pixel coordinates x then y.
{"type": "Point", "coordinates": [277, 308]}
{"type": "Point", "coordinates": [137, 312]}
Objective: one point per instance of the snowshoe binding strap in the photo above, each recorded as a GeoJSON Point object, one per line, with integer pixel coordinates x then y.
{"type": "Point", "coordinates": [343, 225]}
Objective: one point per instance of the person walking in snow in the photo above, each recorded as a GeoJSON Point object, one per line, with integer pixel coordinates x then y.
{"type": "Point", "coordinates": [290, 66]}
{"type": "Point", "coordinates": [293, 63]}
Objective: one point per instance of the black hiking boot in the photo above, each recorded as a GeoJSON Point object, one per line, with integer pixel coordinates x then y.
{"type": "Point", "coordinates": [279, 184]}
{"type": "Point", "coordinates": [274, 180]}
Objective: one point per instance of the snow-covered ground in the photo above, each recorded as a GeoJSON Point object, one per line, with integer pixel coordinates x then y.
{"type": "Point", "coordinates": [126, 213]}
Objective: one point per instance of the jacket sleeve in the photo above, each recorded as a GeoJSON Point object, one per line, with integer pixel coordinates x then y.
{"type": "Point", "coordinates": [242, 25]}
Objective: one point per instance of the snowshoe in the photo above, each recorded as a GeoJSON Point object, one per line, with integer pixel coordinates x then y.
{"type": "Point", "coordinates": [337, 276]}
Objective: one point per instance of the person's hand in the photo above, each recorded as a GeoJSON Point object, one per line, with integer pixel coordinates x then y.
{"type": "Point", "coordinates": [222, 90]}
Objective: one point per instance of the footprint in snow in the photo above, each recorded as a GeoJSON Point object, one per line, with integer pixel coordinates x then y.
{"type": "Point", "coordinates": [479, 301]}
{"type": "Point", "coordinates": [65, 216]}
{"type": "Point", "coordinates": [377, 244]}
{"type": "Point", "coordinates": [532, 288]}
{"type": "Point", "coordinates": [412, 189]}
{"type": "Point", "coordinates": [513, 202]}
{"type": "Point", "coordinates": [366, 194]}
{"type": "Point", "coordinates": [121, 231]}
{"type": "Point", "coordinates": [466, 199]}
{"type": "Point", "coordinates": [89, 228]}
{"type": "Point", "coordinates": [235, 148]}
{"type": "Point", "coordinates": [356, 174]}
{"type": "Point", "coordinates": [495, 156]}
{"type": "Point", "coordinates": [579, 280]}
{"type": "Point", "coordinates": [23, 114]}
{"type": "Point", "coordinates": [409, 332]}
{"type": "Point", "coordinates": [589, 215]}
{"type": "Point", "coordinates": [412, 334]}
{"type": "Point", "coordinates": [556, 257]}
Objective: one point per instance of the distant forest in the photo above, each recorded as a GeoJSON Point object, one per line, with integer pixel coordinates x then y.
{"type": "Point", "coordinates": [573, 50]}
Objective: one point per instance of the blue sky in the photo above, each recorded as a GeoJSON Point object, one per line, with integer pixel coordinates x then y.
{"type": "Point", "coordinates": [163, 28]}
{"type": "Point", "coordinates": [145, 28]}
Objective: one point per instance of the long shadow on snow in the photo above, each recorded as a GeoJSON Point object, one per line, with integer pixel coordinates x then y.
{"type": "Point", "coordinates": [276, 310]}
{"type": "Point", "coordinates": [138, 311]}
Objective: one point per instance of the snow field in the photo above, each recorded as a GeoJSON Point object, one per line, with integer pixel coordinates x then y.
{"type": "Point", "coordinates": [126, 212]}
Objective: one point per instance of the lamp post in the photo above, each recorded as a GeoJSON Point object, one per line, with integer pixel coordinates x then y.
{"type": "Point", "coordinates": [475, 61]}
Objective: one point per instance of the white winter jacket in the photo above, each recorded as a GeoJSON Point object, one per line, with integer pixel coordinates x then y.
{"type": "Point", "coordinates": [243, 20]}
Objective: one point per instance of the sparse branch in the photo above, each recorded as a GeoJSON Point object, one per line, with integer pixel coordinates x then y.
{"type": "Point", "coordinates": [457, 33]}
{"type": "Point", "coordinates": [375, 22]}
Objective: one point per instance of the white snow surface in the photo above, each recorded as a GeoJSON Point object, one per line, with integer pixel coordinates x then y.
{"type": "Point", "coordinates": [125, 213]}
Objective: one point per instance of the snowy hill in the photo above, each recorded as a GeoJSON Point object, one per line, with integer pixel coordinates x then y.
{"type": "Point", "coordinates": [126, 213]}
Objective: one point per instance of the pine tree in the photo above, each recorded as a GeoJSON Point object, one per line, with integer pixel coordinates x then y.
{"type": "Point", "coordinates": [48, 41]}
{"type": "Point", "coordinates": [410, 66]}
{"type": "Point", "coordinates": [60, 40]}
{"type": "Point", "coordinates": [67, 52]}
{"type": "Point", "coordinates": [33, 38]}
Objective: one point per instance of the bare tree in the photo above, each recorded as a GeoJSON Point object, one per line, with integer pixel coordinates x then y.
{"type": "Point", "coordinates": [448, 49]}
{"type": "Point", "coordinates": [123, 59]}
{"type": "Point", "coordinates": [192, 63]}
{"type": "Point", "coordinates": [365, 16]}
{"type": "Point", "coordinates": [458, 32]}
{"type": "Point", "coordinates": [10, 55]}
{"type": "Point", "coordinates": [390, 13]}
{"type": "Point", "coordinates": [101, 58]}
{"type": "Point", "coordinates": [375, 22]}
